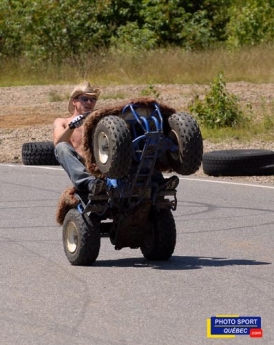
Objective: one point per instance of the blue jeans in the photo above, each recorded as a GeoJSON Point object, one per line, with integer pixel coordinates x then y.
{"type": "Point", "coordinates": [71, 162]}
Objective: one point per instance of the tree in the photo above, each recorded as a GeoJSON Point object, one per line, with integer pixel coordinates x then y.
{"type": "Point", "coordinates": [251, 23]}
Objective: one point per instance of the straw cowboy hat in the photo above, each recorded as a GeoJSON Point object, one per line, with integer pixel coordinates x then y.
{"type": "Point", "coordinates": [82, 89]}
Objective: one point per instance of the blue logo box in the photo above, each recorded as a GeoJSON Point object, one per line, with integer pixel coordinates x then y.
{"type": "Point", "coordinates": [240, 325]}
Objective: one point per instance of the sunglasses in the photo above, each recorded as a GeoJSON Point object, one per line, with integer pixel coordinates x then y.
{"type": "Point", "coordinates": [86, 99]}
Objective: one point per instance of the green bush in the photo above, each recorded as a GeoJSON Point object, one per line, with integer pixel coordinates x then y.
{"type": "Point", "coordinates": [218, 109]}
{"type": "Point", "coordinates": [150, 91]}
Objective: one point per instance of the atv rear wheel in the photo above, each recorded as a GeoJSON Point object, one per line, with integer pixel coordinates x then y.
{"type": "Point", "coordinates": [184, 131]}
{"type": "Point", "coordinates": [81, 238]}
{"type": "Point", "coordinates": [161, 239]}
{"type": "Point", "coordinates": [112, 147]}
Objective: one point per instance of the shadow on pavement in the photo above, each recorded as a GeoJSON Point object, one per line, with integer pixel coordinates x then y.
{"type": "Point", "coordinates": [179, 263]}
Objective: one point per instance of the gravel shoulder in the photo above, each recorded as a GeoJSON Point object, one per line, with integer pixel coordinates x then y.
{"type": "Point", "coordinates": [29, 111]}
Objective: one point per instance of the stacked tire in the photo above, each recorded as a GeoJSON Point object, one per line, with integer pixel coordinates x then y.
{"type": "Point", "coordinates": [39, 153]}
{"type": "Point", "coordinates": [239, 162]}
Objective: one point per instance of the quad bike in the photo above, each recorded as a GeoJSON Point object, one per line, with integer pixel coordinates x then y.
{"type": "Point", "coordinates": [131, 146]}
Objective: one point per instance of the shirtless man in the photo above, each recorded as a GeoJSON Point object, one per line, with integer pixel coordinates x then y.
{"type": "Point", "coordinates": [67, 139]}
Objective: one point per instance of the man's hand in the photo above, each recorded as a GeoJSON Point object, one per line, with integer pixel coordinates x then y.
{"type": "Point", "coordinates": [77, 121]}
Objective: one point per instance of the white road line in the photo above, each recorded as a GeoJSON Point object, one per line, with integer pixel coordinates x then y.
{"type": "Point", "coordinates": [181, 178]}
{"type": "Point", "coordinates": [31, 166]}
{"type": "Point", "coordinates": [228, 182]}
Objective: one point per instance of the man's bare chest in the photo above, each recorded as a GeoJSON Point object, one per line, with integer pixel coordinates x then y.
{"type": "Point", "coordinates": [77, 135]}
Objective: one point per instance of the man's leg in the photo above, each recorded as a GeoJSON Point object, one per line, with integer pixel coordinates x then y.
{"type": "Point", "coordinates": [77, 172]}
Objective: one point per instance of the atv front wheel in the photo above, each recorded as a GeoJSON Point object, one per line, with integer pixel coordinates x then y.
{"type": "Point", "coordinates": [184, 131]}
{"type": "Point", "coordinates": [112, 147]}
{"type": "Point", "coordinates": [161, 239]}
{"type": "Point", "coordinates": [81, 238]}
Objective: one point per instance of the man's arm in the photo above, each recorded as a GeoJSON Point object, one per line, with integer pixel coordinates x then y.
{"type": "Point", "coordinates": [61, 132]}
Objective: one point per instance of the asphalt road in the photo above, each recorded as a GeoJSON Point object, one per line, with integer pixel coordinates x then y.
{"type": "Point", "coordinates": [222, 264]}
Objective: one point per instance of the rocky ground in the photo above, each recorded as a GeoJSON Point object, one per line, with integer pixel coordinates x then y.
{"type": "Point", "coordinates": [28, 112]}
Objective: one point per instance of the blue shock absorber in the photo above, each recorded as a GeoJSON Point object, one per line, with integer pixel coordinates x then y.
{"type": "Point", "coordinates": [80, 208]}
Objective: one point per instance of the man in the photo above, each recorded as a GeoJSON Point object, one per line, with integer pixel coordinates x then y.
{"type": "Point", "coordinates": [67, 139]}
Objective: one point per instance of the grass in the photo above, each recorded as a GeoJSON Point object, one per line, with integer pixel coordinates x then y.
{"type": "Point", "coordinates": [170, 66]}
{"type": "Point", "coordinates": [116, 95]}
{"type": "Point", "coordinates": [241, 134]}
